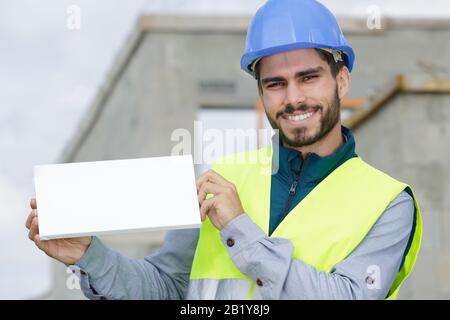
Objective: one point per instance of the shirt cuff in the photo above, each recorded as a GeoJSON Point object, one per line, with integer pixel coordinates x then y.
{"type": "Point", "coordinates": [91, 263]}
{"type": "Point", "coordinates": [239, 233]}
{"type": "Point", "coordinates": [93, 259]}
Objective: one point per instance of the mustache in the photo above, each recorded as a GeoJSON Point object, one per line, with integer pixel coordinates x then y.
{"type": "Point", "coordinates": [290, 109]}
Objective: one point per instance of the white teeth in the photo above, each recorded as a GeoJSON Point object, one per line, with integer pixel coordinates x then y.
{"type": "Point", "coordinates": [300, 117]}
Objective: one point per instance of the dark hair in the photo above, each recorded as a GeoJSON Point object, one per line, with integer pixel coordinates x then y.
{"type": "Point", "coordinates": [335, 67]}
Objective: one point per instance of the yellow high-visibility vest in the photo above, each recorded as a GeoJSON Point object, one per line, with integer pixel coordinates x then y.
{"type": "Point", "coordinates": [324, 228]}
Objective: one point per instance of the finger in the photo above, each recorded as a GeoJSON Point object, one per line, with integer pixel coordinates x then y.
{"type": "Point", "coordinates": [201, 179]}
{"type": "Point", "coordinates": [212, 176]}
{"type": "Point", "coordinates": [208, 187]}
{"type": "Point", "coordinates": [31, 232]}
{"type": "Point", "coordinates": [33, 203]}
{"type": "Point", "coordinates": [205, 207]}
{"type": "Point", "coordinates": [34, 229]}
{"type": "Point", "coordinates": [217, 178]}
{"type": "Point", "coordinates": [30, 217]}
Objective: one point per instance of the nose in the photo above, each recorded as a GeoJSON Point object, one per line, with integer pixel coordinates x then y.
{"type": "Point", "coordinates": [294, 95]}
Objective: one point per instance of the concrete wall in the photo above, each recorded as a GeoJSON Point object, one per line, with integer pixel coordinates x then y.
{"type": "Point", "coordinates": [410, 139]}
{"type": "Point", "coordinates": [171, 74]}
{"type": "Point", "coordinates": [418, 53]}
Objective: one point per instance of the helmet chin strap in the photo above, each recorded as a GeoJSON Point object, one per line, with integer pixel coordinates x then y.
{"type": "Point", "coordinates": [254, 64]}
{"type": "Point", "coordinates": [337, 55]}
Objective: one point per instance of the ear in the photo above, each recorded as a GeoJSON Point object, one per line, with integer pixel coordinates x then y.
{"type": "Point", "coordinates": [343, 80]}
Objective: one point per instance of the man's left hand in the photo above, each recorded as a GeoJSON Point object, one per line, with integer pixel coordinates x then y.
{"type": "Point", "coordinates": [225, 203]}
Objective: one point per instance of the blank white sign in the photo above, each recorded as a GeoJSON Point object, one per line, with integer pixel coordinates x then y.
{"type": "Point", "coordinates": [106, 197]}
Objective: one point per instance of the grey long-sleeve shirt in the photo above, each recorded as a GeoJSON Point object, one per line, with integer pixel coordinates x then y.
{"type": "Point", "coordinates": [367, 273]}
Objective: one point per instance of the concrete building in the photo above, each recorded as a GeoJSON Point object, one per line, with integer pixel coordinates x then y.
{"type": "Point", "coordinates": [175, 69]}
{"type": "Point", "coordinates": [408, 136]}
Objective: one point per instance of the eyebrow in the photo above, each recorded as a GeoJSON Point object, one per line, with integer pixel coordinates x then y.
{"type": "Point", "coordinates": [298, 74]}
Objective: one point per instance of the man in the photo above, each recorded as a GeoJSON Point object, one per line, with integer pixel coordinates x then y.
{"type": "Point", "coordinates": [326, 225]}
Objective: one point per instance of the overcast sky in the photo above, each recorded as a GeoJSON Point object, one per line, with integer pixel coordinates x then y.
{"type": "Point", "coordinates": [394, 8]}
{"type": "Point", "coordinates": [48, 76]}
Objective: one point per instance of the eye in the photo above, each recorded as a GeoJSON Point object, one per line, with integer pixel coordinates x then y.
{"type": "Point", "coordinates": [275, 84]}
{"type": "Point", "coordinates": [308, 78]}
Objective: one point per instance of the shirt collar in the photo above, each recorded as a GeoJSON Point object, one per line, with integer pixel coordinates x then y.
{"type": "Point", "coordinates": [315, 168]}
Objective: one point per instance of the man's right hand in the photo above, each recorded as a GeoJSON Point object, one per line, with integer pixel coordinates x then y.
{"type": "Point", "coordinates": [68, 250]}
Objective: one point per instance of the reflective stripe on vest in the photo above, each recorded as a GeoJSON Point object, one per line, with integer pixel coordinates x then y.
{"type": "Point", "coordinates": [324, 228]}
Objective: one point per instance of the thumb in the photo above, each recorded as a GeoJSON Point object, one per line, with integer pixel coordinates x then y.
{"type": "Point", "coordinates": [41, 244]}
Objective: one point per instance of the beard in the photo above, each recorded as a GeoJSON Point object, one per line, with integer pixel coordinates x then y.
{"type": "Point", "coordinates": [328, 121]}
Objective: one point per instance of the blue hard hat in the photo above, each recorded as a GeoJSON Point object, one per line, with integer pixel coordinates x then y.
{"type": "Point", "coordinates": [283, 25]}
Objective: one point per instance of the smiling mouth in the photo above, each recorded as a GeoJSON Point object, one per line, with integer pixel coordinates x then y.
{"type": "Point", "coordinates": [300, 116]}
